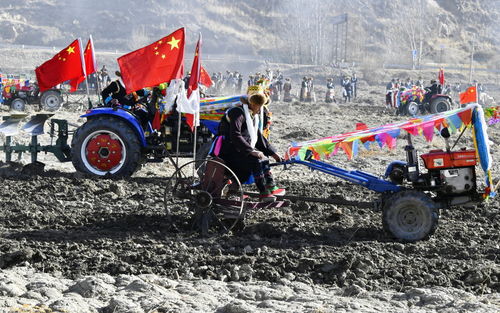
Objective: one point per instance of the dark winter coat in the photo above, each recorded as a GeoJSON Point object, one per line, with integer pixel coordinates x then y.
{"type": "Point", "coordinates": [237, 140]}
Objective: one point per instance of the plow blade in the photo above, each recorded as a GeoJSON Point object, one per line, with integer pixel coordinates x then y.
{"type": "Point", "coordinates": [9, 126]}
{"type": "Point", "coordinates": [34, 127]}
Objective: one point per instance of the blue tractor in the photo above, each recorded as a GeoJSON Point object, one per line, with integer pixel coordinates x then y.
{"type": "Point", "coordinates": [115, 141]}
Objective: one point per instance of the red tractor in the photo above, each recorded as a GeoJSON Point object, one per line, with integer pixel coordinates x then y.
{"type": "Point", "coordinates": [17, 97]}
{"type": "Point", "coordinates": [419, 100]}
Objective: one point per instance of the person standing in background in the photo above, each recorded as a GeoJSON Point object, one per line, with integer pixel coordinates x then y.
{"type": "Point", "coordinates": [354, 85]}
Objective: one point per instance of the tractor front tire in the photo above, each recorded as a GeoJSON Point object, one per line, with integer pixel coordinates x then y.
{"type": "Point", "coordinates": [412, 108]}
{"type": "Point", "coordinates": [18, 104]}
{"type": "Point", "coordinates": [410, 215]}
{"type": "Point", "coordinates": [440, 104]}
{"type": "Point", "coordinates": [51, 101]}
{"type": "Point", "coordinates": [106, 146]}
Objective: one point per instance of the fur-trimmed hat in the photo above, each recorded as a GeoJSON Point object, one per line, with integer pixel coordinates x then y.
{"type": "Point", "coordinates": [256, 95]}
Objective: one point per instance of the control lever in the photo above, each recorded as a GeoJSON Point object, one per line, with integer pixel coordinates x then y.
{"type": "Point", "coordinates": [445, 133]}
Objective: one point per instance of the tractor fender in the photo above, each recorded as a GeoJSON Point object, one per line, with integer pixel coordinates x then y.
{"type": "Point", "coordinates": [392, 165]}
{"type": "Point", "coordinates": [440, 95]}
{"type": "Point", "coordinates": [124, 115]}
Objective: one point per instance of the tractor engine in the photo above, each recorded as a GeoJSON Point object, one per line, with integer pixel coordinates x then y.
{"type": "Point", "coordinates": [451, 173]}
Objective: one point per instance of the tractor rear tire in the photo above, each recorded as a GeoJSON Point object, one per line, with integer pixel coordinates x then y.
{"type": "Point", "coordinates": [51, 101]}
{"type": "Point", "coordinates": [410, 216]}
{"type": "Point", "coordinates": [106, 146]}
{"type": "Point", "coordinates": [440, 104]}
{"type": "Point", "coordinates": [18, 104]}
{"type": "Point", "coordinates": [412, 108]}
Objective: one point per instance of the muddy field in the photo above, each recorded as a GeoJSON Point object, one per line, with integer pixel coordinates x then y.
{"type": "Point", "coordinates": [61, 223]}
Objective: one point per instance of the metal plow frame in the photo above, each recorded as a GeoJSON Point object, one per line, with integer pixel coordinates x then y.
{"type": "Point", "coordinates": [35, 127]}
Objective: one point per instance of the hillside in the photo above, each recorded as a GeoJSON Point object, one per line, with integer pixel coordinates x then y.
{"type": "Point", "coordinates": [294, 31]}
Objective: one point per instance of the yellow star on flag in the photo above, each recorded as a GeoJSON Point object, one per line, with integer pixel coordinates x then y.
{"type": "Point", "coordinates": [71, 49]}
{"type": "Point", "coordinates": [174, 43]}
{"type": "Point", "coordinates": [163, 56]}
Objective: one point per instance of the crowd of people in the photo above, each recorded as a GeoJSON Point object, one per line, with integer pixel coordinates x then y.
{"type": "Point", "coordinates": [229, 83]}
{"type": "Point", "coordinates": [348, 86]}
{"type": "Point", "coordinates": [281, 87]}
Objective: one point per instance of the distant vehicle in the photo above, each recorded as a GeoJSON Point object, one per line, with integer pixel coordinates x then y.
{"type": "Point", "coordinates": [413, 102]}
{"type": "Point", "coordinates": [17, 97]}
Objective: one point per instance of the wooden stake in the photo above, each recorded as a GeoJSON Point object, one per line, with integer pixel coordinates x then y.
{"type": "Point", "coordinates": [496, 186]}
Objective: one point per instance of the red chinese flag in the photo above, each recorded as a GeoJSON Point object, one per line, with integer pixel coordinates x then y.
{"type": "Point", "coordinates": [161, 61]}
{"type": "Point", "coordinates": [90, 64]}
{"type": "Point", "coordinates": [205, 78]}
{"type": "Point", "coordinates": [89, 56]}
{"type": "Point", "coordinates": [441, 76]}
{"type": "Point", "coordinates": [195, 70]}
{"type": "Point", "coordinates": [194, 79]}
{"type": "Point", "coordinates": [470, 95]}
{"type": "Point", "coordinates": [65, 65]}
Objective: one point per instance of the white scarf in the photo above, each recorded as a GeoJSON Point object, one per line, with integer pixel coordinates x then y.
{"type": "Point", "coordinates": [261, 119]}
{"type": "Point", "coordinates": [252, 125]}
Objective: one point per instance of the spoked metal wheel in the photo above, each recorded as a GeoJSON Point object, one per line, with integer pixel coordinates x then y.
{"type": "Point", "coordinates": [210, 201]}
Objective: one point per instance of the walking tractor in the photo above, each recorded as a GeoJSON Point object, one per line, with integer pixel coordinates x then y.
{"type": "Point", "coordinates": [410, 199]}
{"type": "Point", "coordinates": [114, 142]}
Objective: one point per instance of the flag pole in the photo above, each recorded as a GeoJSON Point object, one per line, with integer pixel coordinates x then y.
{"type": "Point", "coordinates": [477, 94]}
{"type": "Point", "coordinates": [194, 142]}
{"type": "Point", "coordinates": [179, 121]}
{"type": "Point", "coordinates": [195, 132]}
{"type": "Point", "coordinates": [98, 89]}
{"type": "Point", "coordinates": [196, 114]}
{"type": "Point", "coordinates": [96, 71]}
{"type": "Point", "coordinates": [84, 67]}
{"type": "Point", "coordinates": [88, 93]}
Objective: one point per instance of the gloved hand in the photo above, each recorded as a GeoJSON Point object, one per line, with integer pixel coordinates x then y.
{"type": "Point", "coordinates": [277, 157]}
{"type": "Point", "coordinates": [258, 154]}
{"type": "Point", "coordinates": [114, 103]}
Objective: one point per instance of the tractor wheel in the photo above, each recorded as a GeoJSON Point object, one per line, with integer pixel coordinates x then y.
{"type": "Point", "coordinates": [18, 104]}
{"type": "Point", "coordinates": [440, 104]}
{"type": "Point", "coordinates": [51, 101]}
{"type": "Point", "coordinates": [106, 146]}
{"type": "Point", "coordinates": [412, 108]}
{"type": "Point", "coordinates": [410, 215]}
{"type": "Point", "coordinates": [210, 203]}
